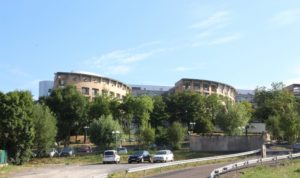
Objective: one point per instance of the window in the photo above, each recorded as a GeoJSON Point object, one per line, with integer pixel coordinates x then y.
{"type": "Point", "coordinates": [95, 91]}
{"type": "Point", "coordinates": [112, 94]}
{"type": "Point", "coordinates": [196, 86]}
{"type": "Point", "coordinates": [214, 88]}
{"type": "Point", "coordinates": [61, 82]}
{"type": "Point", "coordinates": [104, 92]}
{"type": "Point", "coordinates": [85, 90]}
{"type": "Point", "coordinates": [206, 87]}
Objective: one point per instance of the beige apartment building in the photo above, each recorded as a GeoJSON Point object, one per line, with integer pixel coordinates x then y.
{"type": "Point", "coordinates": [205, 87]}
{"type": "Point", "coordinates": [91, 85]}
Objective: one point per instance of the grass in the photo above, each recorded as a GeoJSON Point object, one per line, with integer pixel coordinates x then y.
{"type": "Point", "coordinates": [284, 169]}
{"type": "Point", "coordinates": [121, 174]}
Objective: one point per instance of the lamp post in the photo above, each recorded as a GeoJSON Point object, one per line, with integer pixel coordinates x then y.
{"type": "Point", "coordinates": [85, 132]}
{"type": "Point", "coordinates": [192, 124]}
{"type": "Point", "coordinates": [116, 132]}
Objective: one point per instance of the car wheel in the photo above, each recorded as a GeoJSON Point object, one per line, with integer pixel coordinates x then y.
{"type": "Point", "coordinates": [104, 162]}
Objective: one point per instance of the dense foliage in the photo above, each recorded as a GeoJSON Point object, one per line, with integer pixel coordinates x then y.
{"type": "Point", "coordinates": [44, 123]}
{"type": "Point", "coordinates": [16, 125]}
{"type": "Point", "coordinates": [101, 131]}
{"type": "Point", "coordinates": [70, 108]}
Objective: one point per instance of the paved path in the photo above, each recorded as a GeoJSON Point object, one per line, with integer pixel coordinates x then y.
{"type": "Point", "coordinates": [71, 171]}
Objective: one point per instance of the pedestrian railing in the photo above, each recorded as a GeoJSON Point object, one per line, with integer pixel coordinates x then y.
{"type": "Point", "coordinates": [212, 158]}
{"type": "Point", "coordinates": [248, 163]}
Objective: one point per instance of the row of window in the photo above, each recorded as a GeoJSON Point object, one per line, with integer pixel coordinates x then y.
{"type": "Point", "coordinates": [95, 92]}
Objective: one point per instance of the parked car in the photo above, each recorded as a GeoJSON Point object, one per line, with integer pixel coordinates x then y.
{"type": "Point", "coordinates": [140, 157]}
{"type": "Point", "coordinates": [85, 149]}
{"type": "Point", "coordinates": [122, 150]}
{"type": "Point", "coordinates": [296, 148]}
{"type": "Point", "coordinates": [163, 156]}
{"type": "Point", "coordinates": [67, 151]}
{"type": "Point", "coordinates": [111, 156]}
{"type": "Point", "coordinates": [52, 152]}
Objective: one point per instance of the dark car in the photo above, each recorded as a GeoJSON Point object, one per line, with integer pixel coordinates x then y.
{"type": "Point", "coordinates": [67, 151]}
{"type": "Point", "coordinates": [85, 149]}
{"type": "Point", "coordinates": [140, 157]}
{"type": "Point", "coordinates": [296, 148]}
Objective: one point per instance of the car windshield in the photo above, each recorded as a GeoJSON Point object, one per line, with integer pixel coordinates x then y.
{"type": "Point", "coordinates": [161, 153]}
{"type": "Point", "coordinates": [121, 149]}
{"type": "Point", "coordinates": [109, 153]}
{"type": "Point", "coordinates": [138, 153]}
{"type": "Point", "coordinates": [66, 149]}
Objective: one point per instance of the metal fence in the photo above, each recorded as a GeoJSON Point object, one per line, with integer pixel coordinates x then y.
{"type": "Point", "coordinates": [252, 162]}
{"type": "Point", "coordinates": [160, 165]}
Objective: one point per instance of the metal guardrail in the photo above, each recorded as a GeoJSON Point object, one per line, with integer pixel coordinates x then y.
{"type": "Point", "coordinates": [160, 165]}
{"type": "Point", "coordinates": [252, 162]}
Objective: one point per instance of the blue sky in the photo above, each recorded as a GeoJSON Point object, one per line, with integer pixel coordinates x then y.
{"type": "Point", "coordinates": [243, 43]}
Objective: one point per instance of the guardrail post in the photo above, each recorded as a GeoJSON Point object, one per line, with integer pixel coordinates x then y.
{"type": "Point", "coordinates": [126, 172]}
{"type": "Point", "coordinates": [144, 173]}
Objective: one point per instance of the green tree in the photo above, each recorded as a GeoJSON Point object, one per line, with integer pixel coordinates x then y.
{"type": "Point", "coordinates": [148, 136]}
{"type": "Point", "coordinates": [159, 116]}
{"type": "Point", "coordinates": [45, 128]}
{"type": "Point", "coordinates": [101, 131]}
{"type": "Point", "coordinates": [176, 133]}
{"type": "Point", "coordinates": [100, 106]}
{"type": "Point", "coordinates": [278, 108]}
{"type": "Point", "coordinates": [233, 119]}
{"type": "Point", "coordinates": [16, 127]}
{"type": "Point", "coordinates": [190, 107]}
{"type": "Point", "coordinates": [143, 107]}
{"type": "Point", "coordinates": [69, 106]}
{"type": "Point", "coordinates": [161, 136]}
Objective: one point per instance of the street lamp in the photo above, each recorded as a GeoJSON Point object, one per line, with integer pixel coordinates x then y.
{"type": "Point", "coordinates": [85, 132]}
{"type": "Point", "coordinates": [192, 124]}
{"type": "Point", "coordinates": [116, 132]}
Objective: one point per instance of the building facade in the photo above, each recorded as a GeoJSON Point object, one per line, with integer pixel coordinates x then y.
{"type": "Point", "coordinates": [295, 89]}
{"type": "Point", "coordinates": [150, 90]}
{"type": "Point", "coordinates": [205, 87]}
{"type": "Point", "coordinates": [91, 85]}
{"type": "Point", "coordinates": [245, 95]}
{"type": "Point", "coordinates": [45, 88]}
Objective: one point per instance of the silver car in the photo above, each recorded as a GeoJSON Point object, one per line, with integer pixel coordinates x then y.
{"type": "Point", "coordinates": [163, 156]}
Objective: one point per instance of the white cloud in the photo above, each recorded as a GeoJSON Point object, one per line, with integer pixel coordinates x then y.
{"type": "Point", "coordinates": [119, 69]}
{"type": "Point", "coordinates": [122, 61]}
{"type": "Point", "coordinates": [225, 39]}
{"type": "Point", "coordinates": [287, 17]}
{"type": "Point", "coordinates": [182, 69]}
{"type": "Point", "coordinates": [218, 19]}
{"type": "Point", "coordinates": [202, 35]}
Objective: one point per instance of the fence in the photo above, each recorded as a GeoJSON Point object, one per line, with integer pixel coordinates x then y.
{"type": "Point", "coordinates": [160, 165]}
{"type": "Point", "coordinates": [252, 162]}
{"type": "Point", "coordinates": [3, 157]}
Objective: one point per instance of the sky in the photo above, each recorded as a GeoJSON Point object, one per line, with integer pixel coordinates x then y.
{"type": "Point", "coordinates": [245, 44]}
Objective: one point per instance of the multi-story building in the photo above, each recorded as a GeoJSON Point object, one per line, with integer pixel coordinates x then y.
{"type": "Point", "coordinates": [150, 90]}
{"type": "Point", "coordinates": [295, 89]}
{"type": "Point", "coordinates": [245, 95]}
{"type": "Point", "coordinates": [91, 85]}
{"type": "Point", "coordinates": [205, 87]}
{"type": "Point", "coordinates": [45, 88]}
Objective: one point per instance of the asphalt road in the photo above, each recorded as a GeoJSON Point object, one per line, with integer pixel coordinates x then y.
{"type": "Point", "coordinates": [197, 172]}
{"type": "Point", "coordinates": [71, 171]}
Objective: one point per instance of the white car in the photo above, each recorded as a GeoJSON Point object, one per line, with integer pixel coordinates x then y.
{"type": "Point", "coordinates": [52, 152]}
{"type": "Point", "coordinates": [163, 156]}
{"type": "Point", "coordinates": [111, 156]}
